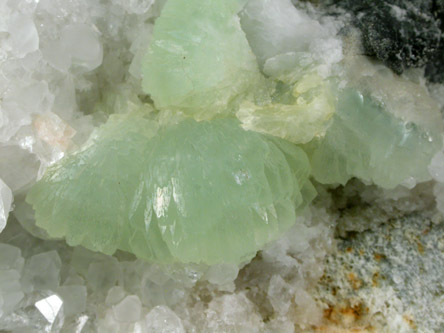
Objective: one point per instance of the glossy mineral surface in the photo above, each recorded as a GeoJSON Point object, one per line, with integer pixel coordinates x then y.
{"type": "Point", "coordinates": [194, 192]}
{"type": "Point", "coordinates": [367, 142]}
{"type": "Point", "coordinates": [199, 60]}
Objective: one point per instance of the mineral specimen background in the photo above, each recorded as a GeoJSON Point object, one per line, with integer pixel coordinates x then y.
{"type": "Point", "coordinates": [355, 84]}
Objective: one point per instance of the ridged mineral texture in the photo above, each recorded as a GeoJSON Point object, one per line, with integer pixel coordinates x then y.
{"type": "Point", "coordinates": [206, 192]}
{"type": "Point", "coordinates": [252, 166]}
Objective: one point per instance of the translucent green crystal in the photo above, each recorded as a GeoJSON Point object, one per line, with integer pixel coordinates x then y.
{"type": "Point", "coordinates": [199, 60]}
{"type": "Point", "coordinates": [367, 142]}
{"type": "Point", "coordinates": [206, 192]}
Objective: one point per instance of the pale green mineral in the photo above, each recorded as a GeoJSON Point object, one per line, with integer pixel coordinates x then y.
{"type": "Point", "coordinates": [206, 192]}
{"type": "Point", "coordinates": [370, 143]}
{"type": "Point", "coordinates": [297, 112]}
{"type": "Point", "coordinates": [199, 60]}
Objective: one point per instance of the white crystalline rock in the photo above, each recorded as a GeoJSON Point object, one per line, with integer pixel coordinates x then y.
{"type": "Point", "coordinates": [103, 275]}
{"type": "Point", "coordinates": [437, 92]}
{"type": "Point", "coordinates": [42, 272]}
{"type": "Point", "coordinates": [53, 130]}
{"type": "Point", "coordinates": [405, 99]}
{"type": "Point", "coordinates": [138, 48]}
{"type": "Point", "coordinates": [277, 27]}
{"type": "Point", "coordinates": [436, 167]}
{"type": "Point", "coordinates": [5, 204]}
{"type": "Point", "coordinates": [280, 294]}
{"type": "Point", "coordinates": [23, 35]}
{"type": "Point", "coordinates": [109, 324]}
{"type": "Point", "coordinates": [19, 103]}
{"type": "Point", "coordinates": [128, 310]}
{"type": "Point", "coordinates": [11, 258]}
{"type": "Point", "coordinates": [163, 319]}
{"type": "Point", "coordinates": [74, 299]}
{"type": "Point", "coordinates": [24, 213]}
{"type": "Point", "coordinates": [78, 45]}
{"type": "Point", "coordinates": [11, 265]}
{"type": "Point", "coordinates": [136, 6]}
{"type": "Point", "coordinates": [5, 13]}
{"type": "Point", "coordinates": [438, 191]}
{"type": "Point", "coordinates": [223, 275]}
{"type": "Point", "coordinates": [50, 307]}
{"type": "Point", "coordinates": [11, 292]}
{"type": "Point", "coordinates": [309, 313]}
{"type": "Point", "coordinates": [115, 295]}
{"type": "Point", "coordinates": [233, 313]}
{"type": "Point", "coordinates": [293, 265]}
{"type": "Point", "coordinates": [53, 138]}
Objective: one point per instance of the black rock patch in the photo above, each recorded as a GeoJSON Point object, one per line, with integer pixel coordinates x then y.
{"type": "Point", "coordinates": [400, 33]}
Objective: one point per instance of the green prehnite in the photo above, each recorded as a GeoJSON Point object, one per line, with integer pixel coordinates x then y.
{"type": "Point", "coordinates": [206, 192]}
{"type": "Point", "coordinates": [370, 143]}
{"type": "Point", "coordinates": [199, 60]}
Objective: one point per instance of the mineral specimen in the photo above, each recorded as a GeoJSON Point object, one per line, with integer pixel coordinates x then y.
{"type": "Point", "coordinates": [171, 176]}
{"type": "Point", "coordinates": [386, 130]}
{"type": "Point", "coordinates": [296, 54]}
{"type": "Point", "coordinates": [206, 192]}
{"type": "Point", "coordinates": [199, 60]}
{"type": "Point", "coordinates": [367, 142]}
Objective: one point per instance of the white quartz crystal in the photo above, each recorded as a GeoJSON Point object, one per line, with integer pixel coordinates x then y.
{"type": "Point", "coordinates": [50, 307]}
{"type": "Point", "coordinates": [128, 310]}
{"type": "Point", "coordinates": [162, 319]}
{"type": "Point", "coordinates": [74, 299]}
{"type": "Point", "coordinates": [42, 272]}
{"type": "Point", "coordinates": [5, 203]}
{"type": "Point", "coordinates": [23, 35]}
{"type": "Point", "coordinates": [11, 265]}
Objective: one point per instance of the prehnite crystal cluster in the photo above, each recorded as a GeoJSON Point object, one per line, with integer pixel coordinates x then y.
{"type": "Point", "coordinates": [192, 192]}
{"type": "Point", "coordinates": [221, 166]}
{"type": "Point", "coordinates": [204, 190]}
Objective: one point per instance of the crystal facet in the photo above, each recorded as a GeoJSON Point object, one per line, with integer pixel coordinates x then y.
{"type": "Point", "coordinates": [195, 192]}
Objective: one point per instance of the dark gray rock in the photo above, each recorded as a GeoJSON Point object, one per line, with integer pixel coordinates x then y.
{"type": "Point", "coordinates": [400, 33]}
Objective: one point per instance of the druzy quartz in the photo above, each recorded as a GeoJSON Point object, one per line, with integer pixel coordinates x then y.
{"type": "Point", "coordinates": [207, 192]}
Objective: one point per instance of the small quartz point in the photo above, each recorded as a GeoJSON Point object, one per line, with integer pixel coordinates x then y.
{"type": "Point", "coordinates": [206, 191]}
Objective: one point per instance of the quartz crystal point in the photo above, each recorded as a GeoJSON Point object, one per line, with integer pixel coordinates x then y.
{"type": "Point", "coordinates": [206, 192]}
{"type": "Point", "coordinates": [199, 60]}
{"type": "Point", "coordinates": [367, 142]}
